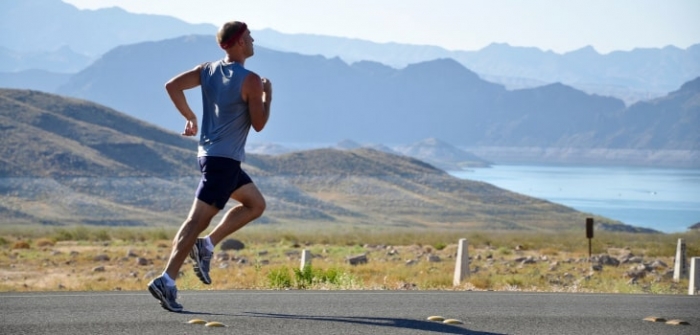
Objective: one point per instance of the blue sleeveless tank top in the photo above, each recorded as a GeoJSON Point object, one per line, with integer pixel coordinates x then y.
{"type": "Point", "coordinates": [225, 118]}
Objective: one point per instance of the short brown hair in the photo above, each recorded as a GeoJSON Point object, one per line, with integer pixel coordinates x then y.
{"type": "Point", "coordinates": [230, 32]}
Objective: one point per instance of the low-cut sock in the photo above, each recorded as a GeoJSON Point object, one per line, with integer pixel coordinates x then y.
{"type": "Point", "coordinates": [208, 244]}
{"type": "Point", "coordinates": [168, 281]}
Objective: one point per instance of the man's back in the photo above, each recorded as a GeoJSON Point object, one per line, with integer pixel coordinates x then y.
{"type": "Point", "coordinates": [225, 117]}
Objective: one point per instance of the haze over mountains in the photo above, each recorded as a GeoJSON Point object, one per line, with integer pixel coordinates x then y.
{"type": "Point", "coordinates": [325, 100]}
{"type": "Point", "coordinates": [71, 39]}
{"type": "Point", "coordinates": [320, 100]}
{"type": "Point", "coordinates": [68, 161]}
{"type": "Point", "coordinates": [48, 25]}
{"type": "Point", "coordinates": [629, 75]}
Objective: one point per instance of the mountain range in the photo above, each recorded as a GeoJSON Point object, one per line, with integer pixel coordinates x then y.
{"type": "Point", "coordinates": [325, 100]}
{"type": "Point", "coordinates": [320, 100]}
{"type": "Point", "coordinates": [639, 74]}
{"type": "Point", "coordinates": [71, 39]}
{"type": "Point", "coordinates": [70, 161]}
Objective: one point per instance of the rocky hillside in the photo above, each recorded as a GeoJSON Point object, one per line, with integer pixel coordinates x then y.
{"type": "Point", "coordinates": [67, 161]}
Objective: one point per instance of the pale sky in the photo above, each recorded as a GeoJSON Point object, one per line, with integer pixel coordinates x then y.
{"type": "Point", "coordinates": [557, 25]}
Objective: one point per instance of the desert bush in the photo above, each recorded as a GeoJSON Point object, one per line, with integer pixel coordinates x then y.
{"type": "Point", "coordinates": [161, 234]}
{"type": "Point", "coordinates": [45, 242]}
{"type": "Point", "coordinates": [304, 277]}
{"type": "Point", "coordinates": [331, 276]}
{"type": "Point", "coordinates": [309, 277]}
{"type": "Point", "coordinates": [101, 235]}
{"type": "Point", "coordinates": [142, 234]}
{"type": "Point", "coordinates": [78, 233]}
{"type": "Point", "coordinates": [549, 251]}
{"type": "Point", "coordinates": [439, 245]}
{"type": "Point", "coordinates": [21, 245]}
{"type": "Point", "coordinates": [481, 282]}
{"type": "Point", "coordinates": [279, 278]}
{"type": "Point", "coordinates": [514, 281]}
{"type": "Point", "coordinates": [504, 251]}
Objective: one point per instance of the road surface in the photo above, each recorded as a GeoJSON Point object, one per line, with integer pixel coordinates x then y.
{"type": "Point", "coordinates": [347, 312]}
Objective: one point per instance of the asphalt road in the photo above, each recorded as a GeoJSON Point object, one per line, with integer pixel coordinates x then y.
{"type": "Point", "coordinates": [347, 312]}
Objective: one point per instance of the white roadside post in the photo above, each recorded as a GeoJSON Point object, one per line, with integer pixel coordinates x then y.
{"type": "Point", "coordinates": [680, 267]}
{"type": "Point", "coordinates": [462, 263]}
{"type": "Point", "coordinates": [694, 284]}
{"type": "Point", "coordinates": [305, 259]}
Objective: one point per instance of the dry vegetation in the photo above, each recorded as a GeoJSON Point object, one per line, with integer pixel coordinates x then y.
{"type": "Point", "coordinates": [87, 258]}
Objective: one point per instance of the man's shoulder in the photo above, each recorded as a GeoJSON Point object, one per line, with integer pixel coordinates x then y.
{"type": "Point", "coordinates": [209, 64]}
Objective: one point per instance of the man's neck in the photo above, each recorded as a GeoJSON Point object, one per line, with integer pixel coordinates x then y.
{"type": "Point", "coordinates": [232, 58]}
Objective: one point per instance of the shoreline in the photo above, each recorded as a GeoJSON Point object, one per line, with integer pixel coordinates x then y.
{"type": "Point", "coordinates": [636, 196]}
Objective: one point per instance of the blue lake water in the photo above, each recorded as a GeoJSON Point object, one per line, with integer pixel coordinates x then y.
{"type": "Point", "coordinates": [667, 200]}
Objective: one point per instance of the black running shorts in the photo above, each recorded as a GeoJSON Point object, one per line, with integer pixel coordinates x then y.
{"type": "Point", "coordinates": [220, 178]}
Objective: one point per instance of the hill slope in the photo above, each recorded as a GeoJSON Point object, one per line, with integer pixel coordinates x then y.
{"type": "Point", "coordinates": [68, 161]}
{"type": "Point", "coordinates": [48, 136]}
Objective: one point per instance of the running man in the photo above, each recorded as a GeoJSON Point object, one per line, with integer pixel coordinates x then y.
{"type": "Point", "coordinates": [234, 100]}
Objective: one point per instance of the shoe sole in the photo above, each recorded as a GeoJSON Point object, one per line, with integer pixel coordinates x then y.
{"type": "Point", "coordinates": [159, 296]}
{"type": "Point", "coordinates": [194, 254]}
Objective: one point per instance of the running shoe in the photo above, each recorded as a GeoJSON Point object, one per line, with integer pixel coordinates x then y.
{"type": "Point", "coordinates": [165, 294]}
{"type": "Point", "coordinates": [202, 259]}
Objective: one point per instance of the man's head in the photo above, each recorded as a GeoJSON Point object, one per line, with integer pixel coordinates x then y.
{"type": "Point", "coordinates": [230, 33]}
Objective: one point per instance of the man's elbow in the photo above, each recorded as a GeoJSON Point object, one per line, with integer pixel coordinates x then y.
{"type": "Point", "coordinates": [258, 127]}
{"type": "Point", "coordinates": [258, 123]}
{"type": "Point", "coordinates": [170, 86]}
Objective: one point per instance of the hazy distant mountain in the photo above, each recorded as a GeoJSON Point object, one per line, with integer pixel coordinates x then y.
{"type": "Point", "coordinates": [442, 155]}
{"type": "Point", "coordinates": [43, 25]}
{"type": "Point", "coordinates": [319, 100]}
{"type": "Point", "coordinates": [61, 60]}
{"type": "Point", "coordinates": [266, 148]}
{"type": "Point", "coordinates": [631, 75]}
{"type": "Point", "coordinates": [67, 161]}
{"type": "Point", "coordinates": [347, 145]}
{"type": "Point", "coordinates": [40, 80]}
{"type": "Point", "coordinates": [668, 122]}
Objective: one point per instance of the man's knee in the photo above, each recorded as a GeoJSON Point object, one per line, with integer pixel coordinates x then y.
{"type": "Point", "coordinates": [250, 197]}
{"type": "Point", "coordinates": [257, 207]}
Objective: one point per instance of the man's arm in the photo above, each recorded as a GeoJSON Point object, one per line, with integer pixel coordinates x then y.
{"type": "Point", "coordinates": [176, 90]}
{"type": "Point", "coordinates": [257, 93]}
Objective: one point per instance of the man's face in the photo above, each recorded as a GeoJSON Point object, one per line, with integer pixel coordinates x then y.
{"type": "Point", "coordinates": [248, 43]}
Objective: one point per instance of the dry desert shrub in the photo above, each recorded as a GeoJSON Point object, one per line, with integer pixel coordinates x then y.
{"type": "Point", "coordinates": [549, 251]}
{"type": "Point", "coordinates": [21, 245]}
{"type": "Point", "coordinates": [481, 282]}
{"type": "Point", "coordinates": [44, 242]}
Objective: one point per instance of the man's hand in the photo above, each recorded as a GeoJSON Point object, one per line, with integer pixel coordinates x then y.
{"type": "Point", "coordinates": [190, 127]}
{"type": "Point", "coordinates": [267, 88]}
{"type": "Point", "coordinates": [176, 90]}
